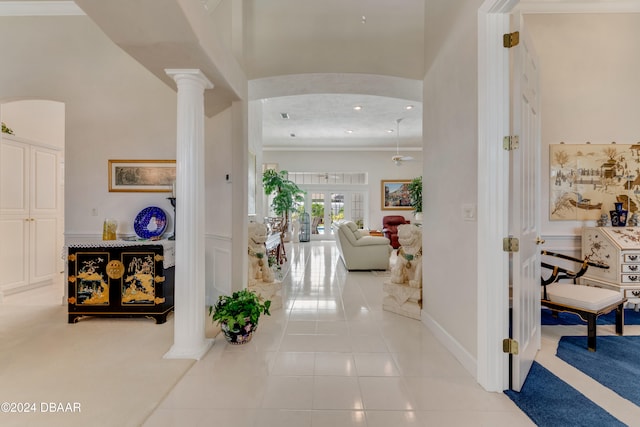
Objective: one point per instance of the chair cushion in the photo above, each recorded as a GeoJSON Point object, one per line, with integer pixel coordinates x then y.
{"type": "Point", "coordinates": [580, 296]}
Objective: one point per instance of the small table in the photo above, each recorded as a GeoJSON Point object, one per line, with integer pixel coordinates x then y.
{"type": "Point", "coordinates": [375, 233]}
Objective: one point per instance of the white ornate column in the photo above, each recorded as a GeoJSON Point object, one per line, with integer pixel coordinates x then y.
{"type": "Point", "coordinates": [189, 340]}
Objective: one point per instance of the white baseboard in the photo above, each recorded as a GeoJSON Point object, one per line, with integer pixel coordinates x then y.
{"type": "Point", "coordinates": [460, 353]}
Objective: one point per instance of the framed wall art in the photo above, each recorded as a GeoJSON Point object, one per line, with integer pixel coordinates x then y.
{"type": "Point", "coordinates": [395, 194]}
{"type": "Point", "coordinates": [587, 179]}
{"type": "Point", "coordinates": [142, 175]}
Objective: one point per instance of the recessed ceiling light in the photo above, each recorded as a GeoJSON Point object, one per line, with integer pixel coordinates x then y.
{"type": "Point", "coordinates": [390, 130]}
{"type": "Point", "coordinates": [357, 107]}
{"type": "Point", "coordinates": [409, 107]}
{"type": "Point", "coordinates": [349, 131]}
{"type": "Point", "coordinates": [292, 135]}
{"type": "Point", "coordinates": [284, 115]}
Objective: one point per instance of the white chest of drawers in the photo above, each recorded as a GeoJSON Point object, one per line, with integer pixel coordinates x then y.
{"type": "Point", "coordinates": [619, 248]}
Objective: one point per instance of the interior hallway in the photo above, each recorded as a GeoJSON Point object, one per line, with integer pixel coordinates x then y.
{"type": "Point", "coordinates": [331, 357]}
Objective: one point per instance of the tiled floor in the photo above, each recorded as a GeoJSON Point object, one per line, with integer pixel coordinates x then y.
{"type": "Point", "coordinates": [332, 357]}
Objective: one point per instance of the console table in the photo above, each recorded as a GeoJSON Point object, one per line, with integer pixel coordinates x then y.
{"type": "Point", "coordinates": [121, 279]}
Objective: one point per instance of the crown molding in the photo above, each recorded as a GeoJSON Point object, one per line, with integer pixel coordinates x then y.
{"type": "Point", "coordinates": [579, 6]}
{"type": "Point", "coordinates": [39, 8]}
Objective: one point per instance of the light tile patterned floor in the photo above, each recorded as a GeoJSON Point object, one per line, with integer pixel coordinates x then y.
{"type": "Point", "coordinates": [332, 357]}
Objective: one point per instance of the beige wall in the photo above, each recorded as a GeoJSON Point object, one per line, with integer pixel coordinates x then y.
{"type": "Point", "coordinates": [589, 88]}
{"type": "Point", "coordinates": [450, 170]}
{"type": "Point", "coordinates": [115, 109]}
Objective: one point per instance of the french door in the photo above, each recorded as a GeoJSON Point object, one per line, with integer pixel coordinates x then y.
{"type": "Point", "coordinates": [326, 206]}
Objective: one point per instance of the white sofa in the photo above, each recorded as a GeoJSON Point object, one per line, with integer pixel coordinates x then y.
{"type": "Point", "coordinates": [360, 251]}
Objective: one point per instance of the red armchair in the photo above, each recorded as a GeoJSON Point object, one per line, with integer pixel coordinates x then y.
{"type": "Point", "coordinates": [390, 225]}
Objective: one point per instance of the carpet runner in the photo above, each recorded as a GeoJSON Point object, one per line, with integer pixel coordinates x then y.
{"type": "Point", "coordinates": [551, 402]}
{"type": "Point", "coordinates": [615, 364]}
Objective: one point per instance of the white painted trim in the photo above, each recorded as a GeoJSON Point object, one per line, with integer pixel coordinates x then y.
{"type": "Point", "coordinates": [452, 345]}
{"type": "Point", "coordinates": [10, 137]}
{"type": "Point", "coordinates": [334, 148]}
{"type": "Point", "coordinates": [39, 8]}
{"type": "Point", "coordinates": [588, 6]}
{"type": "Point", "coordinates": [493, 186]}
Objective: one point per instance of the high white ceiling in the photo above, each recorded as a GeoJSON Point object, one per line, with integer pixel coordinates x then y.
{"type": "Point", "coordinates": [330, 121]}
{"type": "Point", "coordinates": [374, 37]}
{"type": "Point", "coordinates": [281, 38]}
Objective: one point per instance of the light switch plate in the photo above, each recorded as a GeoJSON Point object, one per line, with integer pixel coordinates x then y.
{"type": "Point", "coordinates": [469, 212]}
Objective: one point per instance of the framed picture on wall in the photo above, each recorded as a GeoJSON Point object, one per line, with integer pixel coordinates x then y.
{"type": "Point", "coordinates": [395, 194]}
{"type": "Point", "coordinates": [142, 175]}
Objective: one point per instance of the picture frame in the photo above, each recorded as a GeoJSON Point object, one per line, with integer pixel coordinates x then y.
{"type": "Point", "coordinates": [586, 180]}
{"type": "Point", "coordinates": [142, 176]}
{"type": "Point", "coordinates": [395, 194]}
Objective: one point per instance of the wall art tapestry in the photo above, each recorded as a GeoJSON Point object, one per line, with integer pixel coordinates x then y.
{"type": "Point", "coordinates": [587, 179]}
{"type": "Point", "coordinates": [142, 175]}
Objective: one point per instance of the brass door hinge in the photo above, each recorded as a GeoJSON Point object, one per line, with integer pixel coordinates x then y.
{"type": "Point", "coordinates": [511, 142]}
{"type": "Point", "coordinates": [510, 40]}
{"type": "Point", "coordinates": [509, 345]}
{"type": "Point", "coordinates": [510, 244]}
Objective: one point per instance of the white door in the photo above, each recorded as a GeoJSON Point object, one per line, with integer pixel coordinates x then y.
{"type": "Point", "coordinates": [43, 217]}
{"type": "Point", "coordinates": [14, 214]}
{"type": "Point", "coordinates": [29, 206]}
{"type": "Point", "coordinates": [524, 221]}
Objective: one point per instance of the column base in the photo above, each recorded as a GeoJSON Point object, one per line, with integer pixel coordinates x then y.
{"type": "Point", "coordinates": [196, 353]}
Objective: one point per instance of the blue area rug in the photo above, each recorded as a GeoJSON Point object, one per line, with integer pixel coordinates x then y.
{"type": "Point", "coordinates": [631, 317]}
{"type": "Point", "coordinates": [549, 401]}
{"type": "Point", "coordinates": [615, 364]}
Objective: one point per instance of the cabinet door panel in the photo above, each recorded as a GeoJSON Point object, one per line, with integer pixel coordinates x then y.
{"type": "Point", "coordinates": [44, 190]}
{"type": "Point", "coordinates": [44, 252]}
{"type": "Point", "coordinates": [13, 181]}
{"type": "Point", "coordinates": [13, 252]}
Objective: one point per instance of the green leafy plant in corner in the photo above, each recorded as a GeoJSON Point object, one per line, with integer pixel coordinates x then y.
{"type": "Point", "coordinates": [415, 194]}
{"type": "Point", "coordinates": [5, 129]}
{"type": "Point", "coordinates": [239, 309]}
{"type": "Point", "coordinates": [286, 193]}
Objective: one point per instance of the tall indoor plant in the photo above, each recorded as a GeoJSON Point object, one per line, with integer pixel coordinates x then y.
{"type": "Point", "coordinates": [415, 194]}
{"type": "Point", "coordinates": [286, 194]}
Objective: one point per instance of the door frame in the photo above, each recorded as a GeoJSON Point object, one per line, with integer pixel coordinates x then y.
{"type": "Point", "coordinates": [492, 369]}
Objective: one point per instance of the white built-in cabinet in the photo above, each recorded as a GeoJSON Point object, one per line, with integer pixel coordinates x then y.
{"type": "Point", "coordinates": [29, 213]}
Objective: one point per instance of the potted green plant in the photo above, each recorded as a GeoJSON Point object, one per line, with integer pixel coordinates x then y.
{"type": "Point", "coordinates": [286, 194]}
{"type": "Point", "coordinates": [415, 194]}
{"type": "Point", "coordinates": [238, 315]}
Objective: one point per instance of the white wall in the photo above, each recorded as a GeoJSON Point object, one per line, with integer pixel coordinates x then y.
{"type": "Point", "coordinates": [36, 119]}
{"type": "Point", "coordinates": [115, 109]}
{"type": "Point", "coordinates": [377, 164]}
{"type": "Point", "coordinates": [450, 174]}
{"type": "Point", "coordinates": [589, 92]}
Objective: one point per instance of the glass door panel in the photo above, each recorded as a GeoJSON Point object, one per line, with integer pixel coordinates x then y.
{"type": "Point", "coordinates": [337, 210]}
{"type": "Point", "coordinates": [317, 213]}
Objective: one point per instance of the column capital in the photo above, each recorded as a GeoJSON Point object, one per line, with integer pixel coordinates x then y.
{"type": "Point", "coordinates": [192, 74]}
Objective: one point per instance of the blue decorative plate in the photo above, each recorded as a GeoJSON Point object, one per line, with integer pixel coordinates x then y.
{"type": "Point", "coordinates": [150, 222]}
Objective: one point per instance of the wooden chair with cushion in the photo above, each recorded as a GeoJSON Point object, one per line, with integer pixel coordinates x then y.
{"type": "Point", "coordinates": [588, 302]}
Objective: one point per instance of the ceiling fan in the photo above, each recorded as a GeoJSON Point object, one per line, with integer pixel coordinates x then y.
{"type": "Point", "coordinates": [399, 158]}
